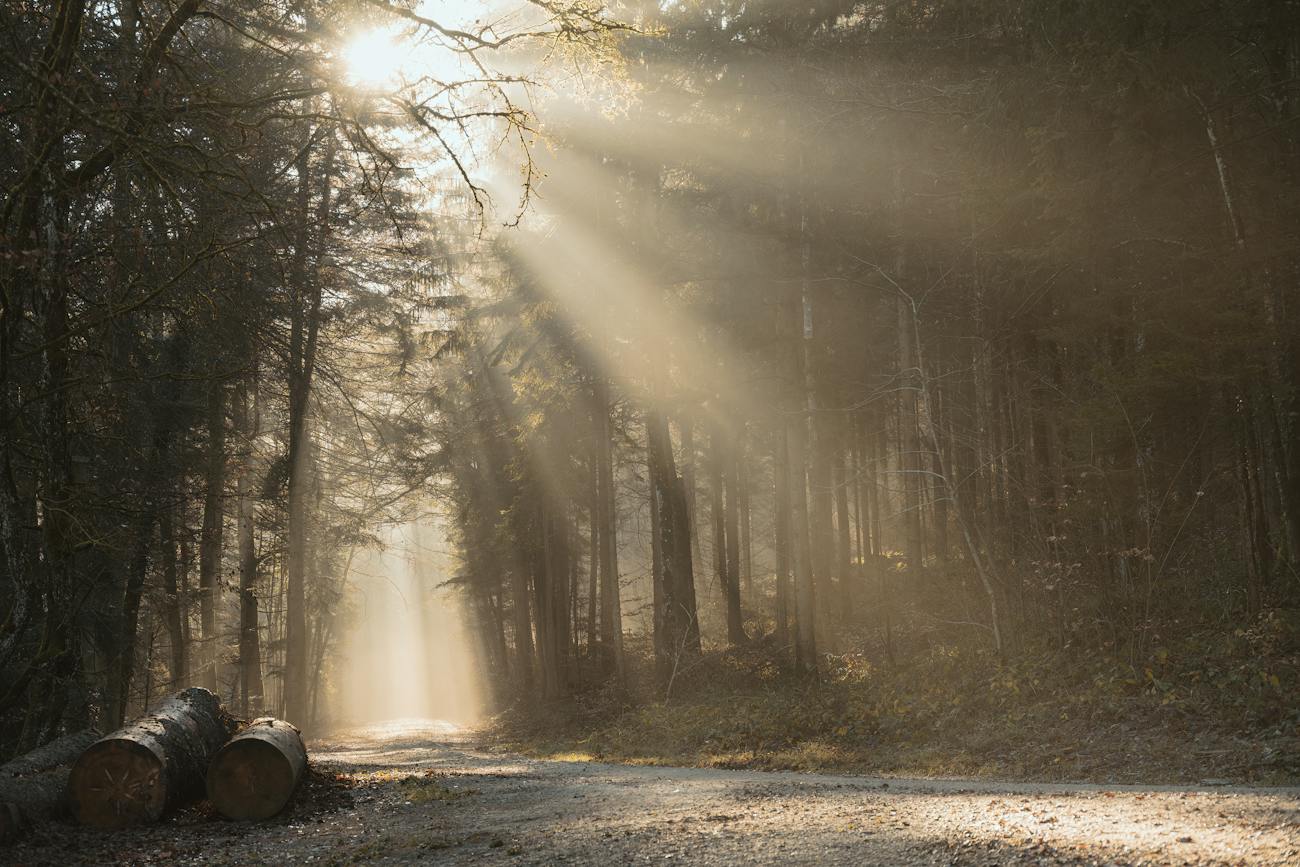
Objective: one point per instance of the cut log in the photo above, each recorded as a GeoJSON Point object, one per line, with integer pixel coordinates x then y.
{"type": "Point", "coordinates": [254, 776]}
{"type": "Point", "coordinates": [13, 823]}
{"type": "Point", "coordinates": [138, 773]}
{"type": "Point", "coordinates": [25, 801]}
{"type": "Point", "coordinates": [58, 752]}
{"type": "Point", "coordinates": [32, 786]}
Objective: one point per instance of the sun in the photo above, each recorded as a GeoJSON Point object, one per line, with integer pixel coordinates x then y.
{"type": "Point", "coordinates": [376, 59]}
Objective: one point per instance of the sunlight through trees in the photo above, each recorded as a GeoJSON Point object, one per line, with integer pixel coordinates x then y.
{"type": "Point", "coordinates": [389, 358]}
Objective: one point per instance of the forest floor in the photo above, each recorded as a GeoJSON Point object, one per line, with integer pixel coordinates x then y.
{"type": "Point", "coordinates": [1209, 707]}
{"type": "Point", "coordinates": [417, 791]}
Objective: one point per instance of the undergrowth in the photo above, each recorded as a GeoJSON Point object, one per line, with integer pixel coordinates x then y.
{"type": "Point", "coordinates": [1204, 707]}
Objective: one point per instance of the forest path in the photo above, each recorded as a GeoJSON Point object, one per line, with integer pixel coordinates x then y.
{"type": "Point", "coordinates": [420, 791]}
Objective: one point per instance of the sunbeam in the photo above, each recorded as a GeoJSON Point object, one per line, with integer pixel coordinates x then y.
{"type": "Point", "coordinates": [404, 652]}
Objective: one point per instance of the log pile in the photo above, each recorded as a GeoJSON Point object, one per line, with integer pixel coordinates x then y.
{"type": "Point", "coordinates": [160, 761]}
{"type": "Point", "coordinates": [137, 773]}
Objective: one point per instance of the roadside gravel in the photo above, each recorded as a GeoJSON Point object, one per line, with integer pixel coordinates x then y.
{"type": "Point", "coordinates": [417, 791]}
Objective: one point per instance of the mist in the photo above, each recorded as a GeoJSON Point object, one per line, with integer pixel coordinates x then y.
{"type": "Point", "coordinates": [404, 651]}
{"type": "Point", "coordinates": [841, 385]}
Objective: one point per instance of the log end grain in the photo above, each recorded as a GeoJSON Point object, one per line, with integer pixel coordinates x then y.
{"type": "Point", "coordinates": [254, 776]}
{"type": "Point", "coordinates": [117, 783]}
{"type": "Point", "coordinates": [139, 772]}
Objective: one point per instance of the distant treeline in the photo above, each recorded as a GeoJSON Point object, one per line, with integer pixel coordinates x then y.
{"type": "Point", "coordinates": [850, 297]}
{"type": "Point", "coordinates": [220, 266]}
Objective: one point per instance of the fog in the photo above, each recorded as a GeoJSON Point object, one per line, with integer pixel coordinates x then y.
{"type": "Point", "coordinates": [404, 652]}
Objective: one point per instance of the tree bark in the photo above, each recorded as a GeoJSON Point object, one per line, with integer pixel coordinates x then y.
{"type": "Point", "coordinates": [677, 622]}
{"type": "Point", "coordinates": [306, 288]}
{"type": "Point", "coordinates": [174, 604]}
{"type": "Point", "coordinates": [718, 509]}
{"type": "Point", "coordinates": [781, 500]}
{"type": "Point", "coordinates": [909, 442]}
{"type": "Point", "coordinates": [210, 541]}
{"type": "Point", "coordinates": [29, 800]}
{"type": "Point", "coordinates": [797, 433]}
{"type": "Point", "coordinates": [746, 524]}
{"type": "Point", "coordinates": [805, 594]}
{"type": "Point", "coordinates": [843, 540]}
{"type": "Point", "coordinates": [687, 428]}
{"type": "Point", "coordinates": [550, 587]}
{"type": "Point", "coordinates": [138, 773]}
{"type": "Point", "coordinates": [731, 517]}
{"type": "Point", "coordinates": [250, 646]}
{"type": "Point", "coordinates": [611, 608]}
{"type": "Point", "coordinates": [525, 663]}
{"type": "Point", "coordinates": [33, 786]}
{"type": "Point", "coordinates": [593, 552]}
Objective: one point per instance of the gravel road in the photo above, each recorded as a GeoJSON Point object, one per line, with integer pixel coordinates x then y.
{"type": "Point", "coordinates": [418, 791]}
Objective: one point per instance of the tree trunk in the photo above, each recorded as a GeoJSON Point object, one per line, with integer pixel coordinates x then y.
{"type": "Point", "coordinates": [821, 524]}
{"type": "Point", "coordinates": [677, 621]}
{"type": "Point", "coordinates": [1260, 551]}
{"type": "Point", "coordinates": [924, 396]}
{"type": "Point", "coordinates": [718, 510]}
{"type": "Point", "coordinates": [877, 440]}
{"type": "Point", "coordinates": [687, 428]}
{"type": "Point", "coordinates": [944, 493]}
{"type": "Point", "coordinates": [804, 396]}
{"type": "Point", "coordinates": [909, 441]}
{"type": "Point", "coordinates": [137, 567]}
{"type": "Point", "coordinates": [731, 517]}
{"type": "Point", "coordinates": [859, 501]}
{"type": "Point", "coordinates": [593, 552]}
{"type": "Point", "coordinates": [174, 604]}
{"type": "Point", "coordinates": [611, 609]}
{"type": "Point", "coordinates": [211, 538]}
{"type": "Point", "coordinates": [746, 525]}
{"type": "Point", "coordinates": [550, 590]}
{"type": "Point", "coordinates": [805, 595]}
{"type": "Point", "coordinates": [138, 773]}
{"type": "Point", "coordinates": [781, 500]}
{"type": "Point", "coordinates": [523, 628]}
{"type": "Point", "coordinates": [33, 786]}
{"type": "Point", "coordinates": [254, 775]}
{"type": "Point", "coordinates": [574, 582]}
{"type": "Point", "coordinates": [843, 540]}
{"type": "Point", "coordinates": [250, 645]}
{"type": "Point", "coordinates": [304, 330]}
{"type": "Point", "coordinates": [656, 556]}
{"type": "Point", "coordinates": [28, 800]}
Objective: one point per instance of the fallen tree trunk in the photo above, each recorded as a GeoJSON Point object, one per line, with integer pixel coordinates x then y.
{"type": "Point", "coordinates": [25, 801]}
{"type": "Point", "coordinates": [58, 752]}
{"type": "Point", "coordinates": [32, 786]}
{"type": "Point", "coordinates": [254, 776]}
{"type": "Point", "coordinates": [138, 773]}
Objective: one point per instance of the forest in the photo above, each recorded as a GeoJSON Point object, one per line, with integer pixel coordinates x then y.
{"type": "Point", "coordinates": [902, 385]}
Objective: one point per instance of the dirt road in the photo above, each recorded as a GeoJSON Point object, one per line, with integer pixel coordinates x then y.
{"type": "Point", "coordinates": [420, 792]}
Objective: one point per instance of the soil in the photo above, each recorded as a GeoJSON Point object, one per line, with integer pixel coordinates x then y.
{"type": "Point", "coordinates": [420, 791]}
